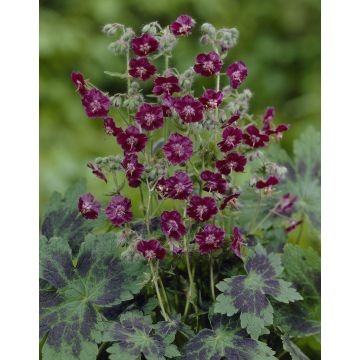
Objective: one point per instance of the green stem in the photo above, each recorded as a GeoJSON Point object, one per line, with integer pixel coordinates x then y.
{"type": "Point", "coordinates": [142, 200]}
{"type": "Point", "coordinates": [155, 280]}
{"type": "Point", "coordinates": [127, 69]}
{"type": "Point", "coordinates": [301, 228]}
{"type": "Point", "coordinates": [166, 300]}
{"type": "Point", "coordinates": [148, 208]}
{"type": "Point", "coordinates": [212, 278]}
{"type": "Point", "coordinates": [102, 347]}
{"type": "Point", "coordinates": [263, 220]}
{"type": "Point", "coordinates": [256, 214]}
{"type": "Point", "coordinates": [191, 280]}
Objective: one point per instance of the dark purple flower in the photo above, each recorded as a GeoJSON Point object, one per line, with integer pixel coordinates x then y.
{"type": "Point", "coordinates": [214, 182]}
{"type": "Point", "coordinates": [208, 64]}
{"type": "Point", "coordinates": [286, 204]}
{"type": "Point", "coordinates": [131, 140]}
{"type": "Point", "coordinates": [201, 209]}
{"type": "Point", "coordinates": [237, 73]}
{"type": "Point", "coordinates": [189, 109]}
{"type": "Point", "coordinates": [293, 224]}
{"type": "Point", "coordinates": [233, 118]}
{"type": "Point", "coordinates": [179, 186]}
{"type": "Point", "coordinates": [141, 68]}
{"type": "Point", "coordinates": [96, 104]}
{"type": "Point", "coordinates": [230, 199]}
{"type": "Point", "coordinates": [236, 242]}
{"type": "Point", "coordinates": [89, 208]}
{"type": "Point", "coordinates": [231, 138]}
{"type": "Point", "coordinates": [268, 116]}
{"type": "Point", "coordinates": [182, 26]}
{"type": "Point", "coordinates": [271, 181]}
{"type": "Point", "coordinates": [79, 82]}
{"type": "Point", "coordinates": [232, 162]}
{"type": "Point", "coordinates": [166, 85]}
{"type": "Point", "coordinates": [254, 138]}
{"type": "Point", "coordinates": [110, 126]}
{"type": "Point", "coordinates": [119, 210]}
{"type": "Point", "coordinates": [151, 249]}
{"type": "Point", "coordinates": [210, 238]}
{"type": "Point", "coordinates": [278, 131]}
{"type": "Point", "coordinates": [172, 225]}
{"type": "Point", "coordinates": [96, 171]}
{"type": "Point", "coordinates": [211, 99]}
{"type": "Point", "coordinates": [178, 149]}
{"type": "Point", "coordinates": [144, 45]}
{"type": "Point", "coordinates": [133, 169]}
{"type": "Point", "coordinates": [150, 117]}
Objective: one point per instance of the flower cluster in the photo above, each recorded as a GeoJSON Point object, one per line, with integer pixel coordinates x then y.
{"type": "Point", "coordinates": [181, 144]}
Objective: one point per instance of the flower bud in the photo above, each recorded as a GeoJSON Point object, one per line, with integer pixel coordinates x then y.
{"type": "Point", "coordinates": [151, 28]}
{"type": "Point", "coordinates": [208, 29]}
{"type": "Point", "coordinates": [204, 40]}
{"type": "Point", "coordinates": [116, 100]}
{"type": "Point", "coordinates": [111, 29]}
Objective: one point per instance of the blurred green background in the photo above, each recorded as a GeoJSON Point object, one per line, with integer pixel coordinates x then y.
{"type": "Point", "coordinates": [279, 42]}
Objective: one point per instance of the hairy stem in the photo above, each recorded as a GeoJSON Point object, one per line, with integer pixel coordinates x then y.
{"type": "Point", "coordinates": [155, 281]}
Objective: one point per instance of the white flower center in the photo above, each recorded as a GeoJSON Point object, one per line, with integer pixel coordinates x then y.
{"type": "Point", "coordinates": [86, 208]}
{"type": "Point", "coordinates": [236, 75]}
{"type": "Point", "coordinates": [179, 188]}
{"type": "Point", "coordinates": [95, 105]}
{"type": "Point", "coordinates": [130, 168]}
{"type": "Point", "coordinates": [189, 111]}
{"type": "Point", "coordinates": [149, 119]}
{"type": "Point", "coordinates": [230, 140]}
{"type": "Point", "coordinates": [200, 210]}
{"type": "Point", "coordinates": [210, 239]}
{"type": "Point", "coordinates": [120, 210]}
{"type": "Point", "coordinates": [140, 71]}
{"type": "Point", "coordinates": [149, 254]}
{"type": "Point", "coordinates": [145, 48]}
{"type": "Point", "coordinates": [178, 149]}
{"type": "Point", "coordinates": [131, 140]}
{"type": "Point", "coordinates": [208, 65]}
{"type": "Point", "coordinates": [184, 28]}
{"type": "Point", "coordinates": [172, 224]}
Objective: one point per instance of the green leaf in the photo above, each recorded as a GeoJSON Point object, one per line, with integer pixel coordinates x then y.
{"type": "Point", "coordinates": [303, 177]}
{"type": "Point", "coordinates": [292, 349]}
{"type": "Point", "coordinates": [62, 217]}
{"type": "Point", "coordinates": [116, 74]}
{"type": "Point", "coordinates": [69, 310]}
{"type": "Point", "coordinates": [168, 329]}
{"type": "Point", "coordinates": [247, 294]}
{"type": "Point", "coordinates": [225, 341]}
{"type": "Point", "coordinates": [135, 335]}
{"type": "Point", "coordinates": [302, 268]}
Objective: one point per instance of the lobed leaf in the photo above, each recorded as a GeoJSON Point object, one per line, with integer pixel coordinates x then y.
{"type": "Point", "coordinates": [62, 217]}
{"type": "Point", "coordinates": [225, 341]}
{"type": "Point", "coordinates": [302, 268]}
{"type": "Point", "coordinates": [292, 349]}
{"type": "Point", "coordinates": [135, 336]}
{"type": "Point", "coordinates": [69, 309]}
{"type": "Point", "coordinates": [247, 294]}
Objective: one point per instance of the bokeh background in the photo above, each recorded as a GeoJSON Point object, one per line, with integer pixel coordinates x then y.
{"type": "Point", "coordinates": [279, 42]}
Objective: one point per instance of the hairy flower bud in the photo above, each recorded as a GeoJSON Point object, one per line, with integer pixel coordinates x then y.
{"type": "Point", "coordinates": [116, 100]}
{"type": "Point", "coordinates": [151, 28]}
{"type": "Point", "coordinates": [167, 41]}
{"type": "Point", "coordinates": [208, 29]}
{"type": "Point", "coordinates": [111, 29]}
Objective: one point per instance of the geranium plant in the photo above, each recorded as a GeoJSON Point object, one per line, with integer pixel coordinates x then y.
{"type": "Point", "coordinates": [199, 267]}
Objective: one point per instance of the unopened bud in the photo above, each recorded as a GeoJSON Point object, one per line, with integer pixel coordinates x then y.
{"type": "Point", "coordinates": [111, 29]}
{"type": "Point", "coordinates": [208, 29]}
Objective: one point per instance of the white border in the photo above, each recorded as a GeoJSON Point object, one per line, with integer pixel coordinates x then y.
{"type": "Point", "coordinates": [19, 179]}
{"type": "Point", "coordinates": [340, 173]}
